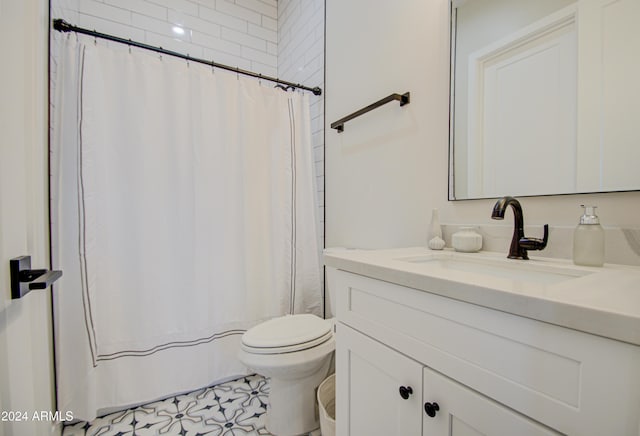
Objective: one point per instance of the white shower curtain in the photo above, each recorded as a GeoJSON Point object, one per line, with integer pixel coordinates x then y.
{"type": "Point", "coordinates": [183, 213]}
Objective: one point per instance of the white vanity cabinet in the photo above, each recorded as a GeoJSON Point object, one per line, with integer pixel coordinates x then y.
{"type": "Point", "coordinates": [468, 413]}
{"type": "Point", "coordinates": [489, 372]}
{"type": "Point", "coordinates": [384, 392]}
{"type": "Point", "coordinates": [369, 378]}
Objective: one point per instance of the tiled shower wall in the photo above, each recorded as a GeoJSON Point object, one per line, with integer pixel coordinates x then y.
{"type": "Point", "coordinates": [241, 34]}
{"type": "Point", "coordinates": [282, 38]}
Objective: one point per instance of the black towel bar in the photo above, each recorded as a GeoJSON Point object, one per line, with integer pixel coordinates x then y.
{"type": "Point", "coordinates": [403, 98]}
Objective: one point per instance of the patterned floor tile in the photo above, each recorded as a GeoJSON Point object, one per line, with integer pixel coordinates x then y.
{"type": "Point", "coordinates": [235, 408]}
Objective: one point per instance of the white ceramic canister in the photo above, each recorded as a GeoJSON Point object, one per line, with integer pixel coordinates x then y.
{"type": "Point", "coordinates": [467, 240]}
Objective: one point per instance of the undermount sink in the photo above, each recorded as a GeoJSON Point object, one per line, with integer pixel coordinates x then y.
{"type": "Point", "coordinates": [521, 270]}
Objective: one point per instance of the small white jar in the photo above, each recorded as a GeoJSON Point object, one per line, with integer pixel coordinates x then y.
{"type": "Point", "coordinates": [466, 240]}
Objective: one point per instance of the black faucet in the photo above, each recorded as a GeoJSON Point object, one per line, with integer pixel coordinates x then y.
{"type": "Point", "coordinates": [519, 243]}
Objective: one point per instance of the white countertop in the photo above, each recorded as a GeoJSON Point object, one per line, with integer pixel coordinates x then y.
{"type": "Point", "coordinates": [604, 301]}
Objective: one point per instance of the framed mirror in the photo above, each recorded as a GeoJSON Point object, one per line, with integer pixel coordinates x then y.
{"type": "Point", "coordinates": [545, 97]}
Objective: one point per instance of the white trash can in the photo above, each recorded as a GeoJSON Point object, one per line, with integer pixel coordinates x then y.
{"type": "Point", "coordinates": [327, 406]}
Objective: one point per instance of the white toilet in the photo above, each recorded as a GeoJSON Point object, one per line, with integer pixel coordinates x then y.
{"type": "Point", "coordinates": [295, 352]}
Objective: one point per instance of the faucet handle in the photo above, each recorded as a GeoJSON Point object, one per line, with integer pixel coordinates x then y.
{"type": "Point", "coordinates": [536, 243]}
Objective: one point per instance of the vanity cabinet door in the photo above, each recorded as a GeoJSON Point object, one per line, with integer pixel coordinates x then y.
{"type": "Point", "coordinates": [378, 390]}
{"type": "Point", "coordinates": [453, 409]}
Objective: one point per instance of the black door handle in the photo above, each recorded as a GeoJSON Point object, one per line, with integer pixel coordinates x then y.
{"type": "Point", "coordinates": [45, 280]}
{"type": "Point", "coordinates": [25, 279]}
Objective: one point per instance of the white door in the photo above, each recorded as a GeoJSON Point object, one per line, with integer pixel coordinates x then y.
{"type": "Point", "coordinates": [26, 363]}
{"type": "Point", "coordinates": [608, 95]}
{"type": "Point", "coordinates": [452, 409]}
{"type": "Point", "coordinates": [522, 91]}
{"type": "Point", "coordinates": [369, 379]}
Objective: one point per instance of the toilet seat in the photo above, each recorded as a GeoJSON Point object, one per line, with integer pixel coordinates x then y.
{"type": "Point", "coordinates": [287, 334]}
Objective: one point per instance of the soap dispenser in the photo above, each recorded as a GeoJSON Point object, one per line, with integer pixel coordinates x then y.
{"type": "Point", "coordinates": [588, 239]}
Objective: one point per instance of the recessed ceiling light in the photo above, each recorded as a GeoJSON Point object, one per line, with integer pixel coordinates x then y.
{"type": "Point", "coordinates": [178, 30]}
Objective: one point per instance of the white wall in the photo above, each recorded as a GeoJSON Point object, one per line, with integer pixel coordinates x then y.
{"type": "Point", "coordinates": [389, 168]}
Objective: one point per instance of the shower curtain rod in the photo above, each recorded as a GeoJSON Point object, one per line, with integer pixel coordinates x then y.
{"type": "Point", "coordinates": [62, 26]}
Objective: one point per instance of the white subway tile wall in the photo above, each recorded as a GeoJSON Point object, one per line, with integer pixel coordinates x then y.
{"type": "Point", "coordinates": [241, 34]}
{"type": "Point", "coordinates": [282, 38]}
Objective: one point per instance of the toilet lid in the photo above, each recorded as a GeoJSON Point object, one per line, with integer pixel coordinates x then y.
{"type": "Point", "coordinates": [287, 333]}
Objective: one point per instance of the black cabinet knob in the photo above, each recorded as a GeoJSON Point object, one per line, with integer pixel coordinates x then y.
{"type": "Point", "coordinates": [405, 391]}
{"type": "Point", "coordinates": [431, 409]}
